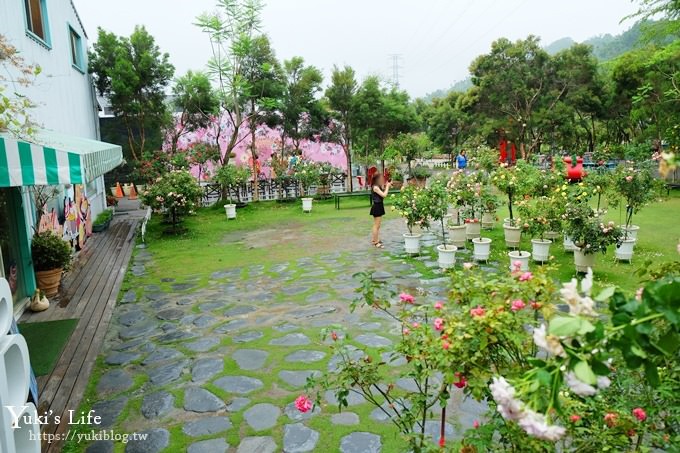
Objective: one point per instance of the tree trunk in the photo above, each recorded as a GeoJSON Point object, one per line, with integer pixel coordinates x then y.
{"type": "Point", "coordinates": [348, 155]}
{"type": "Point", "coordinates": [253, 153]}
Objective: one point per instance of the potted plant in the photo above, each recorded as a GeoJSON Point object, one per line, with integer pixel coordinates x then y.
{"type": "Point", "coordinates": [420, 175]}
{"type": "Point", "coordinates": [590, 234]}
{"type": "Point", "coordinates": [481, 249]}
{"type": "Point", "coordinates": [438, 207]}
{"type": "Point", "coordinates": [513, 182]}
{"type": "Point", "coordinates": [231, 178]}
{"type": "Point", "coordinates": [537, 215]}
{"type": "Point", "coordinates": [51, 255]}
{"type": "Point", "coordinates": [102, 221]}
{"type": "Point", "coordinates": [397, 179]}
{"type": "Point", "coordinates": [634, 186]}
{"type": "Point", "coordinates": [489, 206]}
{"type": "Point", "coordinates": [413, 206]}
{"type": "Point", "coordinates": [308, 176]}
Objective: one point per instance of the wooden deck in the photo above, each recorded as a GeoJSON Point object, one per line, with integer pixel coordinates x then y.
{"type": "Point", "coordinates": [88, 293]}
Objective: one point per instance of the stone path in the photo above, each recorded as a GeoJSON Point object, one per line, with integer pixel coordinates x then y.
{"type": "Point", "coordinates": [217, 368]}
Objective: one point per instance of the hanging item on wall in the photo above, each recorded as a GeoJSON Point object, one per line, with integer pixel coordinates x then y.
{"type": "Point", "coordinates": [70, 221]}
{"type": "Point", "coordinates": [84, 216]}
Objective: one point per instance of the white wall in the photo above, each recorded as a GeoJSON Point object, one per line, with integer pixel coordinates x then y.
{"type": "Point", "coordinates": [63, 95]}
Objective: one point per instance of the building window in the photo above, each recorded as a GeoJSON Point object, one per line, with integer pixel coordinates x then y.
{"type": "Point", "coordinates": [36, 19]}
{"type": "Point", "coordinates": [76, 49]}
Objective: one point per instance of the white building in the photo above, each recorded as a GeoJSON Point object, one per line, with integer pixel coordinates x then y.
{"type": "Point", "coordinates": [65, 151]}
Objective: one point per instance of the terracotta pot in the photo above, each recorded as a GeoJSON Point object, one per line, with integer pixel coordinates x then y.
{"type": "Point", "coordinates": [48, 281]}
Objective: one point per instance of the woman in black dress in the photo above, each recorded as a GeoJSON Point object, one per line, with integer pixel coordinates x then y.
{"type": "Point", "coordinates": [379, 191]}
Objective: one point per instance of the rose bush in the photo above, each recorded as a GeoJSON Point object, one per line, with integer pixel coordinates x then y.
{"type": "Point", "coordinates": [176, 194]}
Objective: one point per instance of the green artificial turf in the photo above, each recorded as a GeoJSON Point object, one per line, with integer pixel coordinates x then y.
{"type": "Point", "coordinates": [45, 342]}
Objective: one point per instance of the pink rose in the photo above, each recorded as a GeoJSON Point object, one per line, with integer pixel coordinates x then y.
{"type": "Point", "coordinates": [477, 312]}
{"type": "Point", "coordinates": [638, 294]}
{"type": "Point", "coordinates": [517, 305]}
{"type": "Point", "coordinates": [409, 299]}
{"type": "Point", "coordinates": [640, 414]}
{"type": "Point", "coordinates": [629, 178]}
{"type": "Point", "coordinates": [445, 345]}
{"type": "Point", "coordinates": [610, 418]}
{"type": "Point", "coordinates": [438, 324]}
{"type": "Point", "coordinates": [303, 404]}
{"type": "Point", "coordinates": [475, 424]}
{"type": "Point", "coordinates": [526, 276]}
{"type": "Point", "coordinates": [574, 418]}
{"type": "Point", "coordinates": [415, 325]}
{"type": "Point", "coordinates": [405, 331]}
{"type": "Point", "coordinates": [517, 265]}
{"type": "Point", "coordinates": [438, 305]}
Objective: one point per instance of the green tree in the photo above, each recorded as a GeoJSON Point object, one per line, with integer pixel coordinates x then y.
{"type": "Point", "coordinates": [14, 107]}
{"type": "Point", "coordinates": [408, 147]}
{"type": "Point", "coordinates": [514, 81]}
{"type": "Point", "coordinates": [300, 112]}
{"type": "Point", "coordinates": [340, 96]}
{"type": "Point", "coordinates": [195, 98]}
{"type": "Point", "coordinates": [133, 74]}
{"type": "Point", "coordinates": [232, 30]}
{"type": "Point", "coordinates": [264, 86]}
{"type": "Point", "coordinates": [449, 121]}
{"type": "Point", "coordinates": [380, 115]}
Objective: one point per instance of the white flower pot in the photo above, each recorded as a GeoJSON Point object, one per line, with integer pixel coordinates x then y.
{"type": "Point", "coordinates": [552, 235]}
{"type": "Point", "coordinates": [126, 189]}
{"type": "Point", "coordinates": [412, 243]}
{"type": "Point", "coordinates": [507, 221]}
{"type": "Point", "coordinates": [625, 250]}
{"type": "Point", "coordinates": [540, 249]}
{"type": "Point", "coordinates": [457, 235]}
{"type": "Point", "coordinates": [513, 235]}
{"type": "Point", "coordinates": [447, 256]}
{"type": "Point", "coordinates": [583, 261]}
{"type": "Point", "coordinates": [519, 256]}
{"type": "Point", "coordinates": [568, 244]}
{"type": "Point", "coordinates": [630, 232]}
{"type": "Point", "coordinates": [307, 204]}
{"type": "Point", "coordinates": [231, 211]}
{"type": "Point", "coordinates": [473, 230]}
{"type": "Point", "coordinates": [488, 220]}
{"type": "Point", "coordinates": [482, 249]}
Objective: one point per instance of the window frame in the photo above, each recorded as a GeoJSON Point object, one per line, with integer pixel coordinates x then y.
{"type": "Point", "coordinates": [80, 54]}
{"type": "Point", "coordinates": [47, 40]}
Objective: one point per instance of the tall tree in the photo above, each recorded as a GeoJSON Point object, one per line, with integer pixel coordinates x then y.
{"type": "Point", "coordinates": [340, 97]}
{"type": "Point", "coordinates": [265, 84]}
{"type": "Point", "coordinates": [232, 30]}
{"type": "Point", "coordinates": [133, 74]}
{"type": "Point", "coordinates": [197, 103]}
{"type": "Point", "coordinates": [301, 113]}
{"type": "Point", "coordinates": [513, 81]}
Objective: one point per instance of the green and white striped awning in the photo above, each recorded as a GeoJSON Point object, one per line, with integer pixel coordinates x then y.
{"type": "Point", "coordinates": [50, 158]}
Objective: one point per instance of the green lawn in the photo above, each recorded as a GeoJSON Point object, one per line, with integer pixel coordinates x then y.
{"type": "Point", "coordinates": [270, 232]}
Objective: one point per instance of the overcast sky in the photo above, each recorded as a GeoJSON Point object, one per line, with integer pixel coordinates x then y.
{"type": "Point", "coordinates": [436, 39]}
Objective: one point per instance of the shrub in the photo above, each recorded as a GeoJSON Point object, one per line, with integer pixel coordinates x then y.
{"type": "Point", "coordinates": [231, 178]}
{"type": "Point", "coordinates": [49, 252]}
{"type": "Point", "coordinates": [176, 194]}
{"type": "Point", "coordinates": [421, 172]}
{"type": "Point", "coordinates": [105, 216]}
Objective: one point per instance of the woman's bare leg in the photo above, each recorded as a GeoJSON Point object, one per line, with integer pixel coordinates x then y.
{"type": "Point", "coordinates": [376, 229]}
